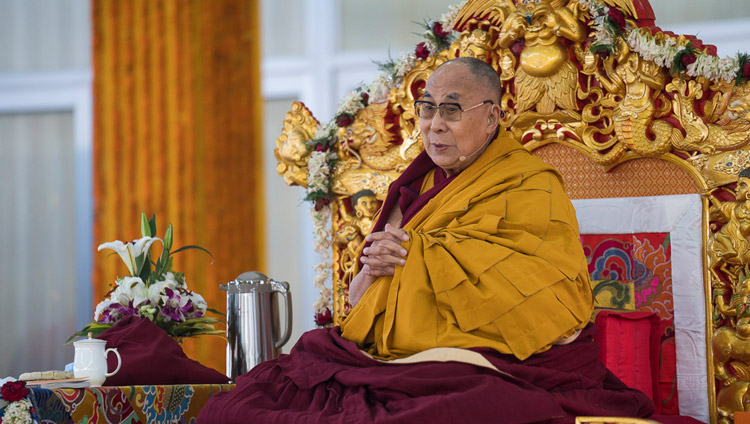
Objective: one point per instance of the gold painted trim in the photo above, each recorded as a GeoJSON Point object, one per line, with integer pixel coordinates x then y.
{"type": "Point", "coordinates": [711, 380]}
{"type": "Point", "coordinates": [613, 420]}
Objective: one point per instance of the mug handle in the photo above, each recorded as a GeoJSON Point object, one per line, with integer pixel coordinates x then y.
{"type": "Point", "coordinates": [119, 361]}
{"type": "Point", "coordinates": [282, 287]}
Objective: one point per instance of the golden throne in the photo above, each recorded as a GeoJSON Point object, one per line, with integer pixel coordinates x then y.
{"type": "Point", "coordinates": [625, 111]}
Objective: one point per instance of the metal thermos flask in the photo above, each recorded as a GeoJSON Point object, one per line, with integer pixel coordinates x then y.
{"type": "Point", "coordinates": [253, 321]}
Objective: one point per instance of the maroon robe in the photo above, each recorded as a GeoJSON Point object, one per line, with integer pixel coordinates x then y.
{"type": "Point", "coordinates": [327, 379]}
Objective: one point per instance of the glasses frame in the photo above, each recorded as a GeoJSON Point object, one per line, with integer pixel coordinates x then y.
{"type": "Point", "coordinates": [441, 109]}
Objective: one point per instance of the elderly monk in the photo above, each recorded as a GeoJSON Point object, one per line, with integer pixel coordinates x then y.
{"type": "Point", "coordinates": [470, 299]}
{"type": "Point", "coordinates": [492, 259]}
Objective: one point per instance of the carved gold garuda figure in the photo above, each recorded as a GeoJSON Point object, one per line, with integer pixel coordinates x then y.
{"type": "Point", "coordinates": [545, 77]}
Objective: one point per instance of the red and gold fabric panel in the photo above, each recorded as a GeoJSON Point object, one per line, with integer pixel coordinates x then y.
{"type": "Point", "coordinates": [177, 132]}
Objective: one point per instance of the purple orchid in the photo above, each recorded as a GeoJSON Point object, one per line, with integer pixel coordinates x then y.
{"type": "Point", "coordinates": [176, 307]}
{"type": "Point", "coordinates": [116, 311]}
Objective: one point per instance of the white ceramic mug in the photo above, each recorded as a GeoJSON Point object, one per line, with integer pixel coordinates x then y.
{"type": "Point", "coordinates": [91, 361]}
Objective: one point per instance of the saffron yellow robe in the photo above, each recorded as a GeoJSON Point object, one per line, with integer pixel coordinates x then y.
{"type": "Point", "coordinates": [494, 260]}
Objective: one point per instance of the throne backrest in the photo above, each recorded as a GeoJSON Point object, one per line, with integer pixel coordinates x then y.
{"type": "Point", "coordinates": [621, 108]}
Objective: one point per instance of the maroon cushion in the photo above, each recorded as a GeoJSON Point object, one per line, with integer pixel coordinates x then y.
{"type": "Point", "coordinates": [151, 357]}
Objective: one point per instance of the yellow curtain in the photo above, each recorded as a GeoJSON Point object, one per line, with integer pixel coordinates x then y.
{"type": "Point", "coordinates": [177, 132]}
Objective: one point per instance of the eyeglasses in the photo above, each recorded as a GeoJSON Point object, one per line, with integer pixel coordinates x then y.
{"type": "Point", "coordinates": [448, 111]}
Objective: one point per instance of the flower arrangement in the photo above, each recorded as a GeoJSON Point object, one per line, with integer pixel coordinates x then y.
{"type": "Point", "coordinates": [15, 406]}
{"type": "Point", "coordinates": [438, 35]}
{"type": "Point", "coordinates": [152, 290]}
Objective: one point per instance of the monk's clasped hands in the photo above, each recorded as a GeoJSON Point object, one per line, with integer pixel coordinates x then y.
{"type": "Point", "coordinates": [385, 251]}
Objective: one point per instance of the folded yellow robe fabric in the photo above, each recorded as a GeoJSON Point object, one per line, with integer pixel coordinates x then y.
{"type": "Point", "coordinates": [495, 260]}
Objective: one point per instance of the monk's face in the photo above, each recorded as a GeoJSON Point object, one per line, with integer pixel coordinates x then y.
{"type": "Point", "coordinates": [448, 142]}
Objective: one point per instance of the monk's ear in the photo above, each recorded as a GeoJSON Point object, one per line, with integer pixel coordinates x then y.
{"type": "Point", "coordinates": [496, 114]}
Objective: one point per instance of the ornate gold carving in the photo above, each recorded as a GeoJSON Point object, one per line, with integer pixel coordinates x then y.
{"type": "Point", "coordinates": [730, 245]}
{"type": "Point", "coordinates": [545, 77]}
{"type": "Point", "coordinates": [728, 253]}
{"type": "Point", "coordinates": [369, 157]}
{"type": "Point", "coordinates": [632, 85]}
{"type": "Point", "coordinates": [732, 398]}
{"type": "Point", "coordinates": [495, 11]}
{"type": "Point", "coordinates": [350, 229]}
{"type": "Point", "coordinates": [734, 123]}
{"type": "Point", "coordinates": [291, 151]}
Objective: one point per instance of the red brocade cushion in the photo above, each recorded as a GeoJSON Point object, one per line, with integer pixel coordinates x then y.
{"type": "Point", "coordinates": [630, 349]}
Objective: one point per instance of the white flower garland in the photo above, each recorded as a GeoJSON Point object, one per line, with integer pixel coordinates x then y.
{"type": "Point", "coordinates": [662, 53]}
{"type": "Point", "coordinates": [318, 179]}
{"type": "Point", "coordinates": [319, 173]}
{"type": "Point", "coordinates": [18, 412]}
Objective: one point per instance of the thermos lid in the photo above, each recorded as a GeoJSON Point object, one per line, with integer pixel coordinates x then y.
{"type": "Point", "coordinates": [252, 282]}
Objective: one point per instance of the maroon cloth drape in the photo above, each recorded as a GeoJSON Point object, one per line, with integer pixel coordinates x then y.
{"type": "Point", "coordinates": [151, 357]}
{"type": "Point", "coordinates": [327, 379]}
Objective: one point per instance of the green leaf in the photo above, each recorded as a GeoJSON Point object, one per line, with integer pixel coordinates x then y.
{"type": "Point", "coordinates": [194, 247]}
{"type": "Point", "coordinates": [145, 228]}
{"type": "Point", "coordinates": [152, 224]}
{"type": "Point", "coordinates": [216, 312]}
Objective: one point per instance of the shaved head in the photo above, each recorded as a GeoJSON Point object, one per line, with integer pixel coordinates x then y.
{"type": "Point", "coordinates": [483, 72]}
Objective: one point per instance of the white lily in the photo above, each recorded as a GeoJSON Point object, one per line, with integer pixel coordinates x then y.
{"type": "Point", "coordinates": [131, 288]}
{"type": "Point", "coordinates": [130, 251]}
{"type": "Point", "coordinates": [156, 290]}
{"type": "Point", "coordinates": [171, 281]}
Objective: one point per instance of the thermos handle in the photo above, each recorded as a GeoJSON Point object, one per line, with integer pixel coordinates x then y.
{"type": "Point", "coordinates": [283, 288]}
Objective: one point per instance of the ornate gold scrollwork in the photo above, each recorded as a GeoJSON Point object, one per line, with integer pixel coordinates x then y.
{"type": "Point", "coordinates": [728, 252]}
{"type": "Point", "coordinates": [350, 229]}
{"type": "Point", "coordinates": [291, 149]}
{"type": "Point", "coordinates": [369, 158]}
